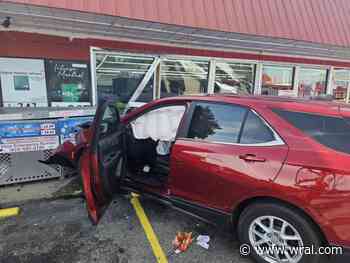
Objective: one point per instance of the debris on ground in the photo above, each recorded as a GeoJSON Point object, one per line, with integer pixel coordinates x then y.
{"type": "Point", "coordinates": [203, 241]}
{"type": "Point", "coordinates": [182, 241]}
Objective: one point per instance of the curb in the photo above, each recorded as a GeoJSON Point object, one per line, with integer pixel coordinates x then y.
{"type": "Point", "coordinates": [8, 212]}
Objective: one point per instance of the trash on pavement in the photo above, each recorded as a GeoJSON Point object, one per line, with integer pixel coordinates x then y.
{"type": "Point", "coordinates": [203, 241]}
{"type": "Point", "coordinates": [182, 241]}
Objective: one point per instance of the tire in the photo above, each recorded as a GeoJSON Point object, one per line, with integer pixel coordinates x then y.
{"type": "Point", "coordinates": [299, 226]}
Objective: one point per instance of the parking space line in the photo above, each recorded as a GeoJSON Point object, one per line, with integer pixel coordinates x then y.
{"type": "Point", "coordinates": [7, 212]}
{"type": "Point", "coordinates": [147, 227]}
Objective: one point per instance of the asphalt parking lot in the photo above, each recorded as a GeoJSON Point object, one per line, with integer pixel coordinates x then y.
{"type": "Point", "coordinates": [60, 231]}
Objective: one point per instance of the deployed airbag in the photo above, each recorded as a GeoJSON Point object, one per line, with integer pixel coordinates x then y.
{"type": "Point", "coordinates": [160, 124]}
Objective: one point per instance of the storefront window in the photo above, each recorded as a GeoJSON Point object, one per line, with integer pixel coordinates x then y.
{"type": "Point", "coordinates": [183, 77]}
{"type": "Point", "coordinates": [341, 84]}
{"type": "Point", "coordinates": [277, 81]}
{"type": "Point", "coordinates": [312, 82]}
{"type": "Point", "coordinates": [68, 83]}
{"type": "Point", "coordinates": [234, 78]}
{"type": "Point", "coordinates": [118, 77]}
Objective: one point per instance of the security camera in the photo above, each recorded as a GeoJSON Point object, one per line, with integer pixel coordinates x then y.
{"type": "Point", "coordinates": [7, 22]}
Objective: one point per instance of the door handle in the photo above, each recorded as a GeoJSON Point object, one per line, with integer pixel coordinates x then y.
{"type": "Point", "coordinates": [251, 158]}
{"type": "Point", "coordinates": [179, 162]}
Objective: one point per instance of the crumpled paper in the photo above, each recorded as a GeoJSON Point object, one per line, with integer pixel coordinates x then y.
{"type": "Point", "coordinates": [203, 241]}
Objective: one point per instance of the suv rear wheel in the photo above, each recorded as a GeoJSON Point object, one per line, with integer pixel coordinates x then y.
{"type": "Point", "coordinates": [272, 233]}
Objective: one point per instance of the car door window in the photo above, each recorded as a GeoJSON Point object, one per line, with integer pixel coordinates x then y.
{"type": "Point", "coordinates": [159, 124]}
{"type": "Point", "coordinates": [255, 130]}
{"type": "Point", "coordinates": [216, 122]}
{"type": "Point", "coordinates": [110, 121]}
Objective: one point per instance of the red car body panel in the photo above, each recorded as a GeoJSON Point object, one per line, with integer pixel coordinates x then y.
{"type": "Point", "coordinates": [317, 178]}
{"type": "Point", "coordinates": [88, 180]}
{"type": "Point", "coordinates": [345, 111]}
{"type": "Point", "coordinates": [215, 175]}
{"type": "Point", "coordinates": [302, 173]}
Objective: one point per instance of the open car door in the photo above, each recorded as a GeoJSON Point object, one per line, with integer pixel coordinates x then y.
{"type": "Point", "coordinates": [103, 162]}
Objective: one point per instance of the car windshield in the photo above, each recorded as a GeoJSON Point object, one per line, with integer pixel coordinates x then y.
{"type": "Point", "coordinates": [333, 132]}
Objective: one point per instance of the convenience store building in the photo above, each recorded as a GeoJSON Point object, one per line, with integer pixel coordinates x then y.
{"type": "Point", "coordinates": [71, 53]}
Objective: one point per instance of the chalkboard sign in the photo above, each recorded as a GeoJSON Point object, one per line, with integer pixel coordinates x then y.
{"type": "Point", "coordinates": [68, 83]}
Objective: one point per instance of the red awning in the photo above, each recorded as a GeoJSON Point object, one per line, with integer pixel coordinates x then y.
{"type": "Point", "coordinates": [318, 21]}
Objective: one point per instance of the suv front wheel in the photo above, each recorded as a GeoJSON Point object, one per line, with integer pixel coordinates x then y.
{"type": "Point", "coordinates": [273, 233]}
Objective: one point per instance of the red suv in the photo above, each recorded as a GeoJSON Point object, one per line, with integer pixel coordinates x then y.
{"type": "Point", "coordinates": [278, 169]}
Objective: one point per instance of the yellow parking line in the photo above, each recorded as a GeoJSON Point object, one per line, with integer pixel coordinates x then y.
{"type": "Point", "coordinates": [147, 227]}
{"type": "Point", "coordinates": [7, 212]}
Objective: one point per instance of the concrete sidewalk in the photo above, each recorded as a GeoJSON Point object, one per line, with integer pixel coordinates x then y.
{"type": "Point", "coordinates": [51, 189]}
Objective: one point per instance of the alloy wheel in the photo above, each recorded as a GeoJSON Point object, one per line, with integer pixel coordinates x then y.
{"type": "Point", "coordinates": [275, 240]}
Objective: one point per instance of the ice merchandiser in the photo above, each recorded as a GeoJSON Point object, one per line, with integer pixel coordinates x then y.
{"type": "Point", "coordinates": [43, 102]}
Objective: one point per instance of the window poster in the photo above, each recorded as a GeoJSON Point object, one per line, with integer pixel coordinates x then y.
{"type": "Point", "coordinates": [23, 82]}
{"type": "Point", "coordinates": [68, 83]}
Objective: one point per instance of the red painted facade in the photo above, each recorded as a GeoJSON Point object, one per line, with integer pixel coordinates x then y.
{"type": "Point", "coordinates": [318, 21]}
{"type": "Point", "coordinates": [29, 45]}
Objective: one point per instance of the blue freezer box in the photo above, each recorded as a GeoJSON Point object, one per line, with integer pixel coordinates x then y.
{"type": "Point", "coordinates": [38, 135]}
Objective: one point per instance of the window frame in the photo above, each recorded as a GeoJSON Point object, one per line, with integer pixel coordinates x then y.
{"type": "Point", "coordinates": [274, 65]}
{"type": "Point", "coordinates": [313, 67]}
{"type": "Point", "coordinates": [187, 59]}
{"type": "Point", "coordinates": [214, 65]}
{"type": "Point", "coordinates": [333, 85]}
{"type": "Point", "coordinates": [184, 128]}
